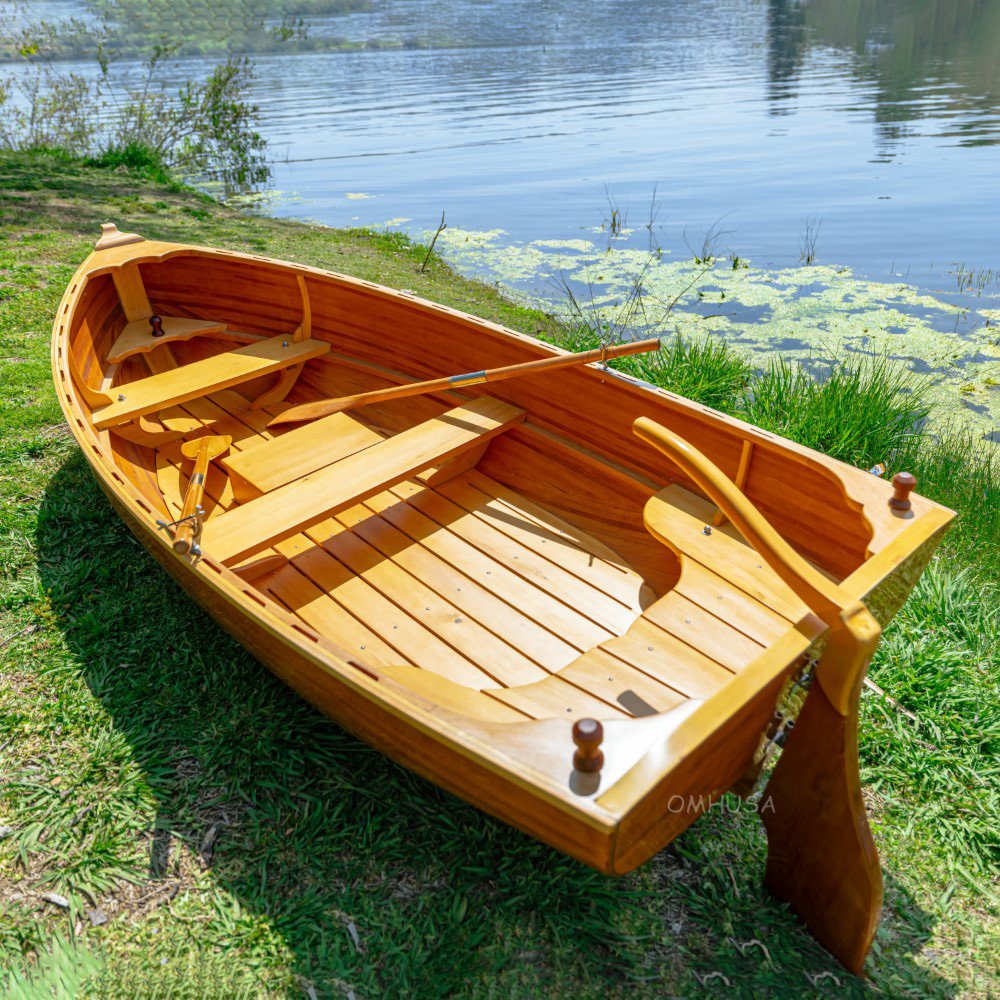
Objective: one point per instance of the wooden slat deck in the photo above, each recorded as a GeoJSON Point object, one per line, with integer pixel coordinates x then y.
{"type": "Point", "coordinates": [356, 578]}
{"type": "Point", "coordinates": [474, 583]}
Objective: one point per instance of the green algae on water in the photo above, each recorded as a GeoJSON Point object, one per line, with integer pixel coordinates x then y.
{"type": "Point", "coordinates": [811, 313]}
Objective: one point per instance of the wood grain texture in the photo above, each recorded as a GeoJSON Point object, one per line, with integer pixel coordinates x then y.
{"type": "Point", "coordinates": [204, 377]}
{"type": "Point", "coordinates": [821, 855]}
{"type": "Point", "coordinates": [137, 337]}
{"type": "Point", "coordinates": [291, 508]}
{"type": "Point", "coordinates": [682, 703]}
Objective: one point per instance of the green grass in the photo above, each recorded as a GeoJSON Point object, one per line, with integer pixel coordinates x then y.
{"type": "Point", "coordinates": [862, 412]}
{"type": "Point", "coordinates": [708, 370]}
{"type": "Point", "coordinates": [236, 841]}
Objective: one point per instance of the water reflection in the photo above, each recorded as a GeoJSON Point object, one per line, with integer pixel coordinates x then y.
{"type": "Point", "coordinates": [786, 44]}
{"type": "Point", "coordinates": [880, 116]}
{"type": "Point", "coordinates": [934, 60]}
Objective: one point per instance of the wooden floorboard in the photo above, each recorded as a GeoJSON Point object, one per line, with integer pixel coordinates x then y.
{"type": "Point", "coordinates": [501, 661]}
{"type": "Point", "coordinates": [551, 613]}
{"type": "Point", "coordinates": [557, 698]}
{"type": "Point", "coordinates": [573, 591]}
{"type": "Point", "coordinates": [527, 522]}
{"type": "Point", "coordinates": [296, 591]}
{"type": "Point", "coordinates": [474, 600]}
{"type": "Point", "coordinates": [489, 590]}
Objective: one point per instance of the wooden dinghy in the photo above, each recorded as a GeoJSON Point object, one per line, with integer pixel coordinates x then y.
{"type": "Point", "coordinates": [579, 602]}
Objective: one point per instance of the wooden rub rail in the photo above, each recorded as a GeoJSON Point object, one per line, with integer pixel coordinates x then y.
{"type": "Point", "coordinates": [289, 509]}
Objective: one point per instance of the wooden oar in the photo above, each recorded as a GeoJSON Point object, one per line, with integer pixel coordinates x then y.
{"type": "Point", "coordinates": [202, 450]}
{"type": "Point", "coordinates": [324, 407]}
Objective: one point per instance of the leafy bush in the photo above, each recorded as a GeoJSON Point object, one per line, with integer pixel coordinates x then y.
{"type": "Point", "coordinates": [208, 127]}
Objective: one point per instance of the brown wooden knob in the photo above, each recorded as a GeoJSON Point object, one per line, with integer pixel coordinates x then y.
{"type": "Point", "coordinates": [587, 735]}
{"type": "Point", "coordinates": [157, 324]}
{"type": "Point", "coordinates": [902, 484]}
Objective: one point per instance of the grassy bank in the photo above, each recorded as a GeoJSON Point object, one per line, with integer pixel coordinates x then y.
{"type": "Point", "coordinates": [211, 835]}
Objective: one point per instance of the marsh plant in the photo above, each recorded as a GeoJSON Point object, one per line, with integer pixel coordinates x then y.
{"type": "Point", "coordinates": [809, 240]}
{"type": "Point", "coordinates": [206, 127]}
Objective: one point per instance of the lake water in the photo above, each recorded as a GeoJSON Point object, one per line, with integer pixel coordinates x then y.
{"type": "Point", "coordinates": [864, 132]}
{"type": "Point", "coordinates": [759, 114]}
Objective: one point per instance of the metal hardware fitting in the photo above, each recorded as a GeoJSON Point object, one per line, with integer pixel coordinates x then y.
{"type": "Point", "coordinates": [471, 378]}
{"type": "Point", "coordinates": [707, 530]}
{"type": "Point", "coordinates": [197, 521]}
{"type": "Point", "coordinates": [784, 724]}
{"type": "Point", "coordinates": [121, 397]}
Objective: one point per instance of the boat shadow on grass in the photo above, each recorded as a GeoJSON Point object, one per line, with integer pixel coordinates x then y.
{"type": "Point", "coordinates": [278, 841]}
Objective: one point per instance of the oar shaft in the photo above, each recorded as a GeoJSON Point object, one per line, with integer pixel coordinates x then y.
{"type": "Point", "coordinates": [581, 358]}
{"type": "Point", "coordinates": [184, 536]}
{"type": "Point", "coordinates": [309, 411]}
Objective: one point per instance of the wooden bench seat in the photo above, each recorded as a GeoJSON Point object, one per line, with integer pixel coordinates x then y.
{"type": "Point", "coordinates": [289, 509]}
{"type": "Point", "coordinates": [295, 454]}
{"type": "Point", "coordinates": [149, 395]}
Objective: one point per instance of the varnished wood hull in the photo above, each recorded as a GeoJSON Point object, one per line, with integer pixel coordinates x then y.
{"type": "Point", "coordinates": [690, 684]}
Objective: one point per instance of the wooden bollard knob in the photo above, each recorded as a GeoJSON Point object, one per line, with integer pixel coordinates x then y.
{"type": "Point", "coordinates": [587, 735]}
{"type": "Point", "coordinates": [902, 484]}
{"type": "Point", "coordinates": [157, 324]}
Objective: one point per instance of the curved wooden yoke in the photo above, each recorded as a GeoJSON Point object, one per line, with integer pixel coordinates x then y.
{"type": "Point", "coordinates": [854, 633]}
{"type": "Point", "coordinates": [821, 855]}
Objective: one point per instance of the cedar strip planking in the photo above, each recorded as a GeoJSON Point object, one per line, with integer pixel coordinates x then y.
{"type": "Point", "coordinates": [703, 631]}
{"type": "Point", "coordinates": [568, 533]}
{"type": "Point", "coordinates": [299, 594]}
{"type": "Point", "coordinates": [501, 661]}
{"type": "Point", "coordinates": [568, 588]}
{"type": "Point", "coordinates": [415, 643]}
{"type": "Point", "coordinates": [615, 681]}
{"type": "Point", "coordinates": [663, 656]}
{"type": "Point", "coordinates": [546, 542]}
{"type": "Point", "coordinates": [557, 698]}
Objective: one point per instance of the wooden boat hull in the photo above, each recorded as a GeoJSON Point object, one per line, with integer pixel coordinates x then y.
{"type": "Point", "coordinates": [682, 725]}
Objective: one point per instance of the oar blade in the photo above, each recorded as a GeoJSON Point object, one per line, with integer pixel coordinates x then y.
{"type": "Point", "coordinates": [310, 411]}
{"type": "Point", "coordinates": [214, 444]}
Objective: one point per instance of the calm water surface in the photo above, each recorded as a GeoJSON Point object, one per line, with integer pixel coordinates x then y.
{"type": "Point", "coordinates": [878, 120]}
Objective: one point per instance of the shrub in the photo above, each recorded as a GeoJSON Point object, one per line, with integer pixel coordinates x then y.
{"type": "Point", "coordinates": [208, 127]}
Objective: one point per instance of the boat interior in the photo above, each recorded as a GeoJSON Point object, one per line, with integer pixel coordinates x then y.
{"type": "Point", "coordinates": [504, 564]}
